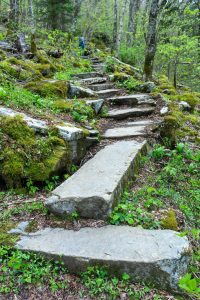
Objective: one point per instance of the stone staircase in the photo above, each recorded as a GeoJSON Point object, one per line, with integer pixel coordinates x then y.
{"type": "Point", "coordinates": [156, 256]}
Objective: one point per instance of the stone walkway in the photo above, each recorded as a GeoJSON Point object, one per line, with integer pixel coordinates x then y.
{"type": "Point", "coordinates": [160, 257]}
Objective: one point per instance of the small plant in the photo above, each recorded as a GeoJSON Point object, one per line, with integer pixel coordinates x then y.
{"type": "Point", "coordinates": [190, 284]}
{"type": "Point", "coordinates": [158, 152]}
{"type": "Point", "coordinates": [32, 189]}
{"type": "Point", "coordinates": [51, 184]}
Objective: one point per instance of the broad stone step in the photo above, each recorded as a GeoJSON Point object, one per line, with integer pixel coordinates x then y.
{"type": "Point", "coordinates": [88, 75]}
{"type": "Point", "coordinates": [121, 114]}
{"type": "Point", "coordinates": [133, 100]}
{"type": "Point", "coordinates": [159, 257]}
{"type": "Point", "coordinates": [139, 123]}
{"type": "Point", "coordinates": [101, 87]}
{"type": "Point", "coordinates": [109, 93]}
{"type": "Point", "coordinates": [124, 132]}
{"type": "Point", "coordinates": [93, 80]}
{"type": "Point", "coordinates": [95, 188]}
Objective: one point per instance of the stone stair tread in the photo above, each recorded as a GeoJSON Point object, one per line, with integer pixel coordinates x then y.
{"type": "Point", "coordinates": [129, 112]}
{"type": "Point", "coordinates": [88, 75]}
{"type": "Point", "coordinates": [156, 256]}
{"type": "Point", "coordinates": [124, 132]}
{"type": "Point", "coordinates": [91, 191]}
{"type": "Point", "coordinates": [102, 87]}
{"type": "Point", "coordinates": [108, 93]}
{"type": "Point", "coordinates": [135, 99]}
{"type": "Point", "coordinates": [93, 80]}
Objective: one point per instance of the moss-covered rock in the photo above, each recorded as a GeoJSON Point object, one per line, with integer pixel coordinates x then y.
{"type": "Point", "coordinates": [168, 129]}
{"type": "Point", "coordinates": [169, 221]}
{"type": "Point", "coordinates": [191, 98]}
{"type": "Point", "coordinates": [26, 156]}
{"type": "Point", "coordinates": [44, 88]}
{"type": "Point", "coordinates": [62, 105]}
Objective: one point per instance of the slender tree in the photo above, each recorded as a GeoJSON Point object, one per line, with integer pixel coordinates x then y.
{"type": "Point", "coordinates": [151, 40]}
{"type": "Point", "coordinates": [115, 24]}
{"type": "Point", "coordinates": [121, 23]}
{"type": "Point", "coordinates": [132, 22]}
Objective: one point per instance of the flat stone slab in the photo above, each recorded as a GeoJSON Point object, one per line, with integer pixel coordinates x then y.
{"type": "Point", "coordinates": [96, 104]}
{"type": "Point", "coordinates": [81, 92]}
{"type": "Point", "coordinates": [95, 188]}
{"type": "Point", "coordinates": [120, 114]}
{"type": "Point", "coordinates": [135, 99]}
{"type": "Point", "coordinates": [94, 80]}
{"type": "Point", "coordinates": [88, 75]}
{"type": "Point", "coordinates": [157, 256]}
{"type": "Point", "coordinates": [108, 93]}
{"type": "Point", "coordinates": [101, 87]}
{"type": "Point", "coordinates": [123, 132]}
{"type": "Point", "coordinates": [140, 123]}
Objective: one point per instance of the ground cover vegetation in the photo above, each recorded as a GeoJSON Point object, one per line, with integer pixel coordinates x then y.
{"type": "Point", "coordinates": [166, 193]}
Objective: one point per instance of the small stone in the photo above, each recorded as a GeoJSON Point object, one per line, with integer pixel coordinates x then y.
{"type": "Point", "coordinates": [185, 106]}
{"type": "Point", "coordinates": [164, 110]}
{"type": "Point", "coordinates": [77, 91]}
{"type": "Point", "coordinates": [21, 228]}
{"type": "Point", "coordinates": [96, 105]}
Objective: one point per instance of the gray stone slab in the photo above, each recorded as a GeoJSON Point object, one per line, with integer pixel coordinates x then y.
{"type": "Point", "coordinates": [120, 114]}
{"type": "Point", "coordinates": [93, 80]}
{"type": "Point", "coordinates": [95, 188]}
{"type": "Point", "coordinates": [157, 256]}
{"type": "Point", "coordinates": [101, 87]}
{"type": "Point", "coordinates": [88, 75]}
{"type": "Point", "coordinates": [135, 99]}
{"type": "Point", "coordinates": [139, 123]}
{"type": "Point", "coordinates": [123, 132]}
{"type": "Point", "coordinates": [96, 104]}
{"type": "Point", "coordinates": [81, 92]}
{"type": "Point", "coordinates": [109, 93]}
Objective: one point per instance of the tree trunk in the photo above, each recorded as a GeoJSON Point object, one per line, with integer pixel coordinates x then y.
{"type": "Point", "coordinates": [121, 23]}
{"type": "Point", "coordinates": [31, 15]}
{"type": "Point", "coordinates": [115, 25]}
{"type": "Point", "coordinates": [132, 22]}
{"type": "Point", "coordinates": [77, 8]}
{"type": "Point", "coordinates": [151, 40]}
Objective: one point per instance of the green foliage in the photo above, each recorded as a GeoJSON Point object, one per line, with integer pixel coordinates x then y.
{"type": "Point", "coordinates": [190, 285]}
{"type": "Point", "coordinates": [19, 268]}
{"type": "Point", "coordinates": [169, 221]}
{"type": "Point", "coordinates": [81, 112]}
{"type": "Point", "coordinates": [26, 153]}
{"type": "Point", "coordinates": [57, 88]}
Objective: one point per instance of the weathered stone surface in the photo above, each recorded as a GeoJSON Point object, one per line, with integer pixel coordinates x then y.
{"type": "Point", "coordinates": [164, 110]}
{"type": "Point", "coordinates": [185, 106]}
{"type": "Point", "coordinates": [66, 131]}
{"type": "Point", "coordinates": [21, 228]}
{"type": "Point", "coordinates": [101, 87]}
{"type": "Point", "coordinates": [91, 191]}
{"type": "Point", "coordinates": [147, 87]}
{"type": "Point", "coordinates": [88, 75]}
{"type": "Point", "coordinates": [139, 123]}
{"type": "Point", "coordinates": [135, 99]}
{"type": "Point", "coordinates": [123, 132]}
{"type": "Point", "coordinates": [120, 114]}
{"type": "Point", "coordinates": [96, 104]}
{"type": "Point", "coordinates": [77, 91]}
{"type": "Point", "coordinates": [93, 80]}
{"type": "Point", "coordinates": [109, 93]}
{"type": "Point", "coordinates": [157, 256]}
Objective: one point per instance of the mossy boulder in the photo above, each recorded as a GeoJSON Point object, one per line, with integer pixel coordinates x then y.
{"type": "Point", "coordinates": [46, 88]}
{"type": "Point", "coordinates": [62, 105]}
{"type": "Point", "coordinates": [120, 77]}
{"type": "Point", "coordinates": [191, 98]}
{"type": "Point", "coordinates": [26, 156]}
{"type": "Point", "coordinates": [168, 129]}
{"type": "Point", "coordinates": [169, 221]}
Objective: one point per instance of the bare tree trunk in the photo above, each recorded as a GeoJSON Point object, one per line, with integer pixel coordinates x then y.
{"type": "Point", "coordinates": [31, 15]}
{"type": "Point", "coordinates": [77, 8]}
{"type": "Point", "coordinates": [115, 25]}
{"type": "Point", "coordinates": [132, 22]}
{"type": "Point", "coordinates": [121, 23]}
{"type": "Point", "coordinates": [151, 40]}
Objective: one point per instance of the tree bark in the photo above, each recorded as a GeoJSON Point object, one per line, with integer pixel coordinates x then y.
{"type": "Point", "coordinates": [132, 22]}
{"type": "Point", "coordinates": [151, 40]}
{"type": "Point", "coordinates": [121, 23]}
{"type": "Point", "coordinates": [115, 25]}
{"type": "Point", "coordinates": [31, 15]}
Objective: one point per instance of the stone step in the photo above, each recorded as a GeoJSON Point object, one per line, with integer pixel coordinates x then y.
{"type": "Point", "coordinates": [133, 100]}
{"type": "Point", "coordinates": [158, 257]}
{"type": "Point", "coordinates": [101, 87]}
{"type": "Point", "coordinates": [139, 123]}
{"type": "Point", "coordinates": [93, 80]}
{"type": "Point", "coordinates": [109, 93]}
{"type": "Point", "coordinates": [88, 75]}
{"type": "Point", "coordinates": [94, 189]}
{"type": "Point", "coordinates": [120, 114]}
{"type": "Point", "coordinates": [124, 132]}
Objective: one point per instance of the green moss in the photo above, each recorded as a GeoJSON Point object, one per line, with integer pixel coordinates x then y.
{"type": "Point", "coordinates": [191, 98]}
{"type": "Point", "coordinates": [168, 129]}
{"type": "Point", "coordinates": [25, 156]}
{"type": "Point", "coordinates": [7, 239]}
{"type": "Point", "coordinates": [121, 77]}
{"type": "Point", "coordinates": [169, 221]}
{"type": "Point", "coordinates": [2, 55]}
{"type": "Point", "coordinates": [57, 88]}
{"type": "Point", "coordinates": [62, 105]}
